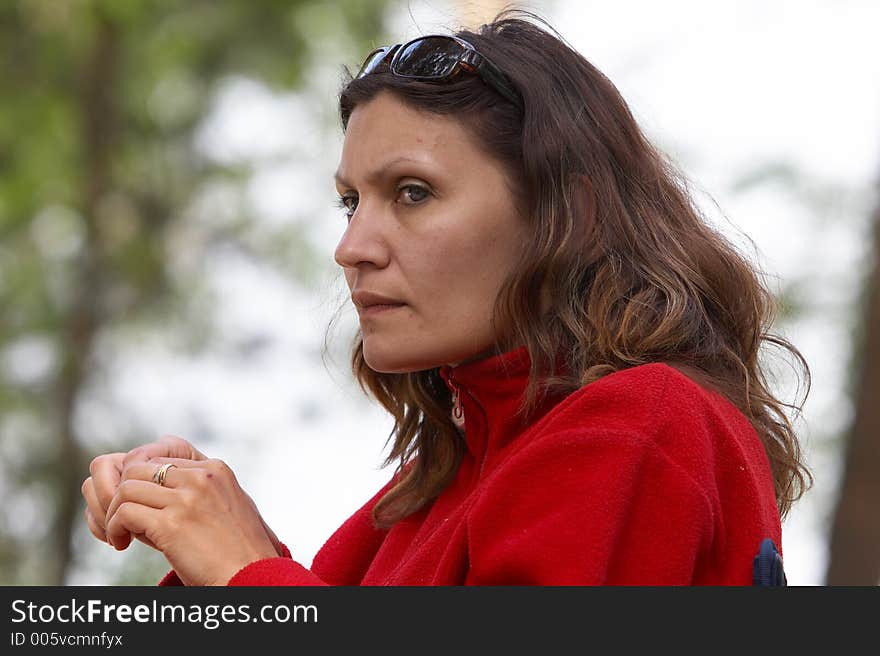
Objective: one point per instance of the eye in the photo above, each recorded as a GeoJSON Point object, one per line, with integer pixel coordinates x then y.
{"type": "Point", "coordinates": [412, 194]}
{"type": "Point", "coordinates": [348, 202]}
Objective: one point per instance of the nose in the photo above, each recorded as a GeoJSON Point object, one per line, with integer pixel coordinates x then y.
{"type": "Point", "coordinates": [363, 241]}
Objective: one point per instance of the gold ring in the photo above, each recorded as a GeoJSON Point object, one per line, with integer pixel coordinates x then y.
{"type": "Point", "coordinates": [159, 476]}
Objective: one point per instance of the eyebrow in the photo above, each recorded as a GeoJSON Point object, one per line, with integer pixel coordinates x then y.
{"type": "Point", "coordinates": [378, 173]}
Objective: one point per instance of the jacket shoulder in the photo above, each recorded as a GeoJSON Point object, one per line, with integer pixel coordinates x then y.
{"type": "Point", "coordinates": [656, 402]}
{"type": "Point", "coordinates": [636, 397]}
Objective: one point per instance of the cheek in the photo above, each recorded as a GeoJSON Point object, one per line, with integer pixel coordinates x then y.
{"type": "Point", "coordinates": [468, 253]}
{"type": "Point", "coordinates": [469, 272]}
{"type": "Point", "coordinates": [482, 246]}
{"type": "Point", "coordinates": [448, 264]}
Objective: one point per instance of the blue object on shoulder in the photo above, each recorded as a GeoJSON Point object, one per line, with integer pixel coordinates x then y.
{"type": "Point", "coordinates": [767, 568]}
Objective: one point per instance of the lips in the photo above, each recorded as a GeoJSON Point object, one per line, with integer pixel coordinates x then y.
{"type": "Point", "coordinates": [365, 299]}
{"type": "Point", "coordinates": [372, 310]}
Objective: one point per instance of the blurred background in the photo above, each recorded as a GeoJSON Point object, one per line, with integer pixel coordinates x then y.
{"type": "Point", "coordinates": [167, 227]}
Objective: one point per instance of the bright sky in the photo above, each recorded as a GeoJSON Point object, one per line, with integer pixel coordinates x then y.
{"type": "Point", "coordinates": [725, 87]}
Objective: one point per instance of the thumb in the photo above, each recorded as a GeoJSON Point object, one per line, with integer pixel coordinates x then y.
{"type": "Point", "coordinates": [269, 532]}
{"type": "Point", "coordinates": [272, 537]}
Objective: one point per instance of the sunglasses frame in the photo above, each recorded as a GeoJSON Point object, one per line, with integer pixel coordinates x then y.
{"type": "Point", "coordinates": [468, 60]}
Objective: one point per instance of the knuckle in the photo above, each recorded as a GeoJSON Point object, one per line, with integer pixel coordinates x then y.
{"type": "Point", "coordinates": [220, 468]}
{"type": "Point", "coordinates": [96, 463]}
{"type": "Point", "coordinates": [123, 512]}
{"type": "Point", "coordinates": [202, 479]}
{"type": "Point", "coordinates": [183, 515]}
{"type": "Point", "coordinates": [191, 498]}
{"type": "Point", "coordinates": [137, 453]}
{"type": "Point", "coordinates": [128, 471]}
{"type": "Point", "coordinates": [131, 456]}
{"type": "Point", "coordinates": [178, 444]}
{"type": "Point", "coordinates": [126, 487]}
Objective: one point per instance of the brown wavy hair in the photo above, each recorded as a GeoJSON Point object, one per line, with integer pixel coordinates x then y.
{"type": "Point", "coordinates": [623, 269]}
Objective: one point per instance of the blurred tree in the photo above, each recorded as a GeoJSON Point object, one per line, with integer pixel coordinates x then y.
{"type": "Point", "coordinates": [99, 173]}
{"type": "Point", "coordinates": [845, 295]}
{"type": "Point", "coordinates": [854, 557]}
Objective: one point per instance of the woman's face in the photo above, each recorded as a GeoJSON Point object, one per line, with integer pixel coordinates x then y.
{"type": "Point", "coordinates": [433, 225]}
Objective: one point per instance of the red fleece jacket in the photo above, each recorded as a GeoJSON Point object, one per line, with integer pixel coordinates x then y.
{"type": "Point", "coordinates": [640, 478]}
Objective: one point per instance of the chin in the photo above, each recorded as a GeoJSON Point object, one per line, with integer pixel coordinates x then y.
{"type": "Point", "coordinates": [392, 365]}
{"type": "Point", "coordinates": [397, 362]}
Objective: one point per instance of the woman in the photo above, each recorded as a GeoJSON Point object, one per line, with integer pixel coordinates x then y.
{"type": "Point", "coordinates": [570, 353]}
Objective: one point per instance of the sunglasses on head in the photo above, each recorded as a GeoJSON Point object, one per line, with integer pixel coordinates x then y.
{"type": "Point", "coordinates": [438, 57]}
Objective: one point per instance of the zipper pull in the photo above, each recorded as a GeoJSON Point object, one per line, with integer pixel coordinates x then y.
{"type": "Point", "coordinates": [457, 410]}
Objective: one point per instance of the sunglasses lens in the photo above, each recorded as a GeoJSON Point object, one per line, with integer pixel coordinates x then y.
{"type": "Point", "coordinates": [373, 60]}
{"type": "Point", "coordinates": [428, 57]}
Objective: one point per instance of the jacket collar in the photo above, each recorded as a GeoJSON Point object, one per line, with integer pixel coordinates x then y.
{"type": "Point", "coordinates": [491, 391]}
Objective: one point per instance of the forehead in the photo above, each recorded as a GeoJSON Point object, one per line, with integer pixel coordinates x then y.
{"type": "Point", "coordinates": [385, 129]}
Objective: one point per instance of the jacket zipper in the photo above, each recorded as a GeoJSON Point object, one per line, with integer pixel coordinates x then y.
{"type": "Point", "coordinates": [457, 409]}
{"type": "Point", "coordinates": [458, 419]}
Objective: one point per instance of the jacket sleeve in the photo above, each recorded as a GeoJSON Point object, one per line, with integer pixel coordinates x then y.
{"type": "Point", "coordinates": [269, 571]}
{"type": "Point", "coordinates": [582, 507]}
{"type": "Point", "coordinates": [276, 571]}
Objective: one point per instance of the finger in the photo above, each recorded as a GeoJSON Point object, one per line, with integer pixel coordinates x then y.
{"type": "Point", "coordinates": [143, 538]}
{"type": "Point", "coordinates": [106, 471]}
{"type": "Point", "coordinates": [131, 518]}
{"type": "Point", "coordinates": [176, 476]}
{"type": "Point", "coordinates": [96, 530]}
{"type": "Point", "coordinates": [121, 540]}
{"type": "Point", "coordinates": [212, 465]}
{"type": "Point", "coordinates": [140, 492]}
{"type": "Point", "coordinates": [193, 472]}
{"type": "Point", "coordinates": [93, 508]}
{"type": "Point", "coordinates": [140, 471]}
{"type": "Point", "coordinates": [168, 446]}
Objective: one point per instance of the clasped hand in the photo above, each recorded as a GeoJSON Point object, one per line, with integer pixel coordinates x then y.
{"type": "Point", "coordinates": [207, 527]}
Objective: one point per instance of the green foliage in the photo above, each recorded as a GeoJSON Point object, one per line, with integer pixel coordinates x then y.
{"type": "Point", "coordinates": [99, 173]}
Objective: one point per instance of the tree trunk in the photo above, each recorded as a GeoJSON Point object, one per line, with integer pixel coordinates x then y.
{"type": "Point", "coordinates": [855, 538]}
{"type": "Point", "coordinates": [85, 316]}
